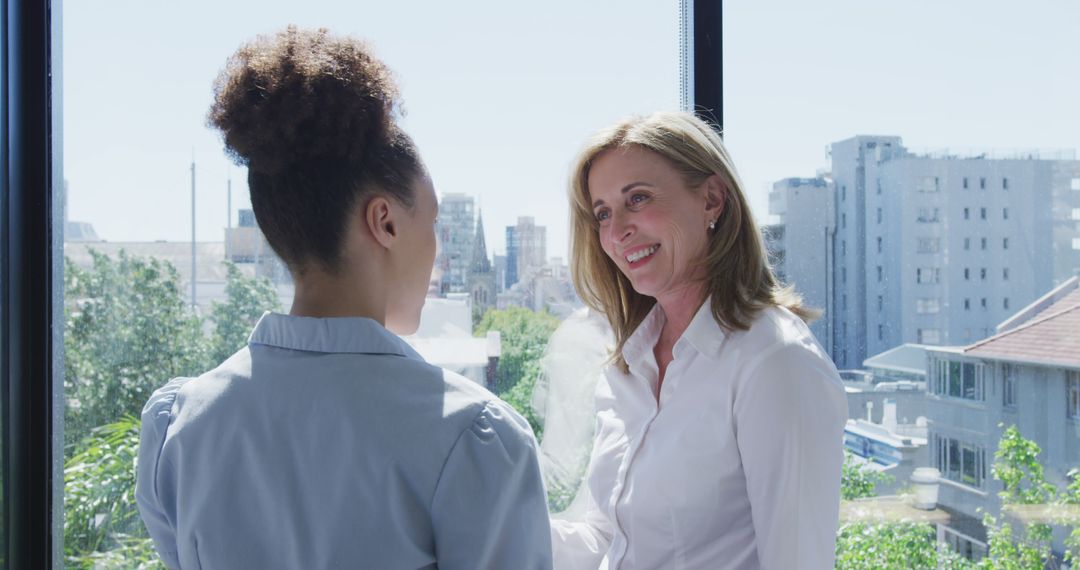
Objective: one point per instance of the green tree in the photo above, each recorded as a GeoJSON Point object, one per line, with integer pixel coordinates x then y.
{"type": "Point", "coordinates": [246, 300]}
{"type": "Point", "coordinates": [857, 482]}
{"type": "Point", "coordinates": [524, 335]}
{"type": "Point", "coordinates": [873, 546]}
{"type": "Point", "coordinates": [127, 332]}
{"type": "Point", "coordinates": [99, 502]}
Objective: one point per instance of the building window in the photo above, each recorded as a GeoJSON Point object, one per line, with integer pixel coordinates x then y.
{"type": "Point", "coordinates": [1076, 244]}
{"type": "Point", "coordinates": [1005, 274]}
{"type": "Point", "coordinates": [982, 243]}
{"type": "Point", "coordinates": [963, 544]}
{"type": "Point", "coordinates": [1075, 184]}
{"type": "Point", "coordinates": [967, 274]}
{"type": "Point", "coordinates": [924, 275]}
{"type": "Point", "coordinates": [1076, 214]}
{"type": "Point", "coordinates": [880, 303]}
{"type": "Point", "coordinates": [926, 215]}
{"type": "Point", "coordinates": [843, 247]}
{"type": "Point", "coordinates": [958, 379]}
{"type": "Point", "coordinates": [983, 303]}
{"type": "Point", "coordinates": [1073, 395]}
{"type": "Point", "coordinates": [982, 213]}
{"type": "Point", "coordinates": [960, 461]}
{"type": "Point", "coordinates": [843, 220]}
{"type": "Point", "coordinates": [929, 306]}
{"type": "Point", "coordinates": [1004, 243]}
{"type": "Point", "coordinates": [881, 332]}
{"type": "Point", "coordinates": [879, 215]}
{"type": "Point", "coordinates": [982, 274]}
{"type": "Point", "coordinates": [982, 184]}
{"type": "Point", "coordinates": [967, 304]}
{"type": "Point", "coordinates": [1008, 386]}
{"type": "Point", "coordinates": [1004, 183]}
{"type": "Point", "coordinates": [880, 274]}
{"type": "Point", "coordinates": [1004, 213]}
{"type": "Point", "coordinates": [843, 302]}
{"type": "Point", "coordinates": [967, 244]}
{"type": "Point", "coordinates": [843, 193]}
{"type": "Point", "coordinates": [967, 214]}
{"type": "Point", "coordinates": [929, 184]}
{"type": "Point", "coordinates": [928, 245]}
{"type": "Point", "coordinates": [965, 183]}
{"type": "Point", "coordinates": [929, 336]}
{"type": "Point", "coordinates": [1005, 303]}
{"type": "Point", "coordinates": [843, 274]}
{"type": "Point", "coordinates": [879, 186]}
{"type": "Point", "coordinates": [879, 244]}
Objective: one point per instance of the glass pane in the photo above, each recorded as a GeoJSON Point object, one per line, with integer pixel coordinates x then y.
{"type": "Point", "coordinates": [969, 466]}
{"type": "Point", "coordinates": [954, 460]}
{"type": "Point", "coordinates": [955, 381]}
{"type": "Point", "coordinates": [167, 269]}
{"type": "Point", "coordinates": [969, 381]}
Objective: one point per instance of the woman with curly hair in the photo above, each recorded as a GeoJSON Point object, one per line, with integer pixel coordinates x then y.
{"type": "Point", "coordinates": [327, 442]}
{"type": "Point", "coordinates": [720, 419]}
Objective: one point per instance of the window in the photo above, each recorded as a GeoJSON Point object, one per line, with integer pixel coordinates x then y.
{"type": "Point", "coordinates": [1004, 183]}
{"type": "Point", "coordinates": [955, 379]}
{"type": "Point", "coordinates": [982, 274]}
{"type": "Point", "coordinates": [1004, 243]}
{"type": "Point", "coordinates": [878, 186]}
{"type": "Point", "coordinates": [926, 215]}
{"type": "Point", "coordinates": [1004, 213]}
{"type": "Point", "coordinates": [879, 215]}
{"type": "Point", "coordinates": [1008, 385]}
{"type": "Point", "coordinates": [965, 183]}
{"type": "Point", "coordinates": [843, 274]}
{"type": "Point", "coordinates": [983, 302]}
{"type": "Point", "coordinates": [967, 274]}
{"type": "Point", "coordinates": [963, 544]}
{"type": "Point", "coordinates": [967, 244]}
{"type": "Point", "coordinates": [880, 303]}
{"type": "Point", "coordinates": [1076, 243]}
{"type": "Point", "coordinates": [1075, 184]}
{"type": "Point", "coordinates": [927, 275]}
{"type": "Point", "coordinates": [843, 302]}
{"type": "Point", "coordinates": [843, 220]}
{"type": "Point", "coordinates": [967, 214]}
{"type": "Point", "coordinates": [879, 244]}
{"type": "Point", "coordinates": [967, 304]}
{"type": "Point", "coordinates": [1076, 214]}
{"type": "Point", "coordinates": [1005, 275]}
{"type": "Point", "coordinates": [843, 192]}
{"type": "Point", "coordinates": [879, 274]}
{"type": "Point", "coordinates": [928, 245]}
{"type": "Point", "coordinates": [928, 184]}
{"type": "Point", "coordinates": [843, 247]}
{"type": "Point", "coordinates": [1072, 395]}
{"type": "Point", "coordinates": [982, 243]}
{"type": "Point", "coordinates": [982, 184]}
{"type": "Point", "coordinates": [929, 306]}
{"type": "Point", "coordinates": [929, 336]}
{"type": "Point", "coordinates": [1005, 303]}
{"type": "Point", "coordinates": [881, 332]}
{"type": "Point", "coordinates": [982, 213]}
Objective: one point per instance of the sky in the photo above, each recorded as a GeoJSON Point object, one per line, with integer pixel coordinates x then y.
{"type": "Point", "coordinates": [501, 95]}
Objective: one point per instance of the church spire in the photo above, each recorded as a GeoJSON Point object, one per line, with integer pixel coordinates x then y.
{"type": "Point", "coordinates": [480, 262]}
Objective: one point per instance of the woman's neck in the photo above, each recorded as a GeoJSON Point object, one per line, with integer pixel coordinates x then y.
{"type": "Point", "coordinates": [321, 294]}
{"type": "Point", "coordinates": [679, 309]}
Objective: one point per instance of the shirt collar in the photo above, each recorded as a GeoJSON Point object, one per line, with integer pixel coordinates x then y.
{"type": "Point", "coordinates": [703, 333]}
{"type": "Point", "coordinates": [353, 335]}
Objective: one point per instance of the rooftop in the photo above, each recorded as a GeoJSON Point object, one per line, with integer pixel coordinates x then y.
{"type": "Point", "coordinates": [907, 358]}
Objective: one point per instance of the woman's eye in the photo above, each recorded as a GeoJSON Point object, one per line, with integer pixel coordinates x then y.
{"type": "Point", "coordinates": [638, 198]}
{"type": "Point", "coordinates": [602, 215]}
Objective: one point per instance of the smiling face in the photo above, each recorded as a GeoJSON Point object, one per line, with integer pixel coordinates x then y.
{"type": "Point", "coordinates": [651, 224]}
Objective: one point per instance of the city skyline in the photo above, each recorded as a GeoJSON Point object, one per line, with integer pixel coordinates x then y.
{"type": "Point", "coordinates": [492, 122]}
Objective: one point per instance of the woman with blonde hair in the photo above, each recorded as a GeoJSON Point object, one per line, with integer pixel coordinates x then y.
{"type": "Point", "coordinates": [720, 418]}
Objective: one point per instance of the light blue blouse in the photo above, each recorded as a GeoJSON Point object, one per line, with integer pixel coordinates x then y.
{"type": "Point", "coordinates": [330, 443]}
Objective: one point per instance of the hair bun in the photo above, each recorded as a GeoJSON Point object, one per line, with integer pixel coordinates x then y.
{"type": "Point", "coordinates": [303, 97]}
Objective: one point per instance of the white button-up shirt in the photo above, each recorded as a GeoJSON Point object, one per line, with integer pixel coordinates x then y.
{"type": "Point", "coordinates": [329, 443]}
{"type": "Point", "coordinates": [736, 467]}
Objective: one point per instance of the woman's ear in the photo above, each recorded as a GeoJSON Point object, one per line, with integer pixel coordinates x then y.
{"type": "Point", "coordinates": [379, 218]}
{"type": "Point", "coordinates": [715, 197]}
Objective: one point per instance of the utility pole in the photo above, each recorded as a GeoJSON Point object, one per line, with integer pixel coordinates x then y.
{"type": "Point", "coordinates": [192, 230]}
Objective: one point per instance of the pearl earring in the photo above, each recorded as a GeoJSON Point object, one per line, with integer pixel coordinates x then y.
{"type": "Point", "coordinates": [712, 225]}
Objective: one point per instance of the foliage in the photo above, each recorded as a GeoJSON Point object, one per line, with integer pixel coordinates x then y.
{"type": "Point", "coordinates": [99, 489]}
{"type": "Point", "coordinates": [866, 546]}
{"type": "Point", "coordinates": [246, 301]}
{"type": "Point", "coordinates": [1071, 496]}
{"type": "Point", "coordinates": [524, 335]}
{"type": "Point", "coordinates": [128, 331]}
{"type": "Point", "coordinates": [857, 481]}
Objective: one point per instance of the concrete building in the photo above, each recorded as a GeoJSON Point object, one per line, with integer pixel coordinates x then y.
{"type": "Point", "coordinates": [937, 248]}
{"type": "Point", "coordinates": [801, 244]}
{"type": "Point", "coordinates": [1027, 375]}
{"type": "Point", "coordinates": [456, 233]}
{"type": "Point", "coordinates": [246, 246]}
{"type": "Point", "coordinates": [526, 248]}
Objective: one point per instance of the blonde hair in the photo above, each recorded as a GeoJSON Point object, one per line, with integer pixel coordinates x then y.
{"type": "Point", "coordinates": [736, 267]}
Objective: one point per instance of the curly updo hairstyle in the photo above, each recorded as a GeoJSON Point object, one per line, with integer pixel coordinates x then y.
{"type": "Point", "coordinates": [312, 117]}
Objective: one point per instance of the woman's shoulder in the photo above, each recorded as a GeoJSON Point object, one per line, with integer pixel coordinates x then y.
{"type": "Point", "coordinates": [775, 327]}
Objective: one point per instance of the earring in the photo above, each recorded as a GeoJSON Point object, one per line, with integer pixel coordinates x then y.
{"type": "Point", "coordinates": [712, 225]}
